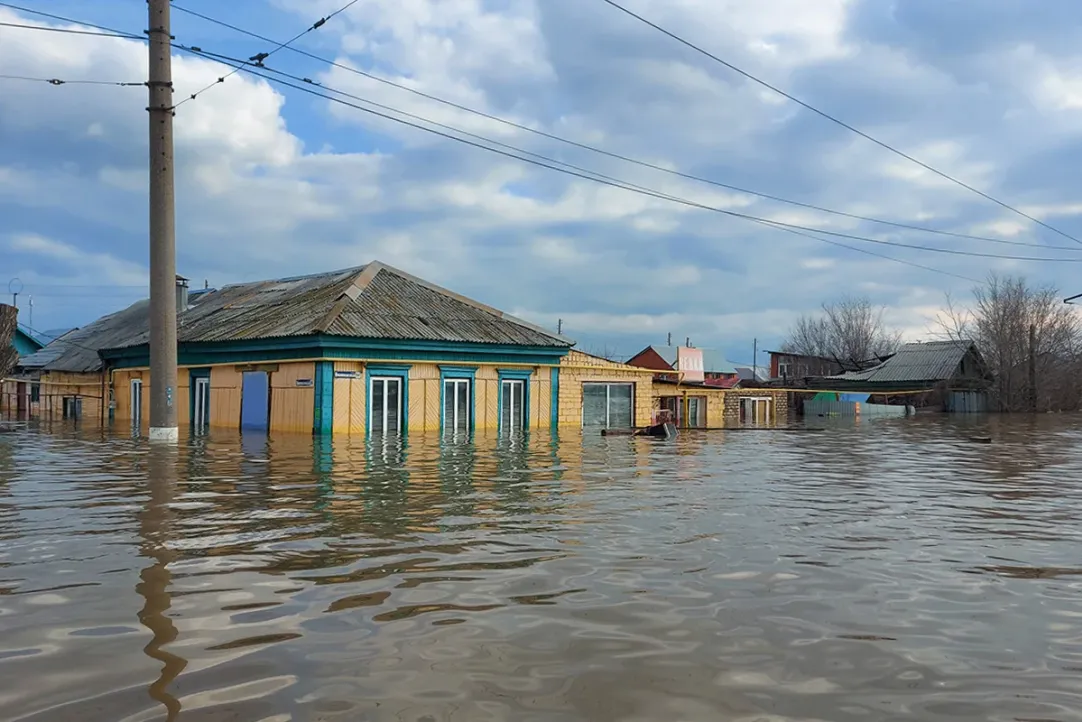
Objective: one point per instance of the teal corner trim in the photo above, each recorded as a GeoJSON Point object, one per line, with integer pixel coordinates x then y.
{"type": "Point", "coordinates": [401, 371]}
{"type": "Point", "coordinates": [459, 372]}
{"type": "Point", "coordinates": [554, 409]}
{"type": "Point", "coordinates": [194, 374]}
{"type": "Point", "coordinates": [323, 406]}
{"type": "Point", "coordinates": [524, 375]}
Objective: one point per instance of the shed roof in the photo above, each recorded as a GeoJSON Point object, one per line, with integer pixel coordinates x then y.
{"type": "Point", "coordinates": [77, 350]}
{"type": "Point", "coordinates": [916, 362]}
{"type": "Point", "coordinates": [373, 301]}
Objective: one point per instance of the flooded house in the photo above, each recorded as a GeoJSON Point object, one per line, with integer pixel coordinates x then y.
{"type": "Point", "coordinates": [357, 351]}
{"type": "Point", "coordinates": [699, 389]}
{"type": "Point", "coordinates": [950, 376]}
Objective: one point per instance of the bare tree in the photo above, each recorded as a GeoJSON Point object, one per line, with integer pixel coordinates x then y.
{"type": "Point", "coordinates": [8, 323]}
{"type": "Point", "coordinates": [1004, 311]}
{"type": "Point", "coordinates": [604, 351]}
{"type": "Point", "coordinates": [851, 329]}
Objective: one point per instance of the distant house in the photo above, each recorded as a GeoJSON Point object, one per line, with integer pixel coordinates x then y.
{"type": "Point", "coordinates": [26, 343]}
{"type": "Point", "coordinates": [716, 370]}
{"type": "Point", "coordinates": [955, 370]}
{"type": "Point", "coordinates": [786, 365]}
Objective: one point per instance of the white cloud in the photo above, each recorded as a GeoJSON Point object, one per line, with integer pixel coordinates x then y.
{"type": "Point", "coordinates": [270, 181]}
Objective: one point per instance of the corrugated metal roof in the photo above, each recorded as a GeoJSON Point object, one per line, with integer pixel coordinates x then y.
{"type": "Point", "coordinates": [931, 361]}
{"type": "Point", "coordinates": [713, 361]}
{"type": "Point", "coordinates": [77, 350]}
{"type": "Point", "coordinates": [373, 301]}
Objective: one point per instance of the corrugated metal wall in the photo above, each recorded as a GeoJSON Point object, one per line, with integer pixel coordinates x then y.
{"type": "Point", "coordinates": [966, 402]}
{"type": "Point", "coordinates": [825, 407]}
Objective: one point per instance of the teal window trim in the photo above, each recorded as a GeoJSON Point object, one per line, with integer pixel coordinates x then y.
{"type": "Point", "coordinates": [524, 375]}
{"type": "Point", "coordinates": [323, 403]}
{"type": "Point", "coordinates": [194, 374]}
{"type": "Point", "coordinates": [554, 409]}
{"type": "Point", "coordinates": [401, 371]}
{"type": "Point", "coordinates": [448, 373]}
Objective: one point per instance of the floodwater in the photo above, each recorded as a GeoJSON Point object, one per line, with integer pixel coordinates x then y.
{"type": "Point", "coordinates": [887, 570]}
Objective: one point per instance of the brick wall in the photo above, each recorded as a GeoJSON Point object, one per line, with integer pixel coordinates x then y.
{"type": "Point", "coordinates": [732, 404]}
{"type": "Point", "coordinates": [578, 368]}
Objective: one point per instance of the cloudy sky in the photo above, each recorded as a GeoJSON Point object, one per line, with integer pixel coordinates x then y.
{"type": "Point", "coordinates": [274, 182]}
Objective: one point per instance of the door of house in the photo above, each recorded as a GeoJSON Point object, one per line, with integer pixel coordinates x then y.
{"type": "Point", "coordinates": [255, 401]}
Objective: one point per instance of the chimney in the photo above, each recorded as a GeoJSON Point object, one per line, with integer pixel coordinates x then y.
{"type": "Point", "coordinates": [182, 294]}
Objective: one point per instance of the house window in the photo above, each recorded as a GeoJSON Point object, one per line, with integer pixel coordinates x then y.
{"type": "Point", "coordinates": [385, 405]}
{"type": "Point", "coordinates": [696, 418]}
{"type": "Point", "coordinates": [692, 416]}
{"type": "Point", "coordinates": [756, 409]}
{"type": "Point", "coordinates": [608, 405]}
{"type": "Point", "coordinates": [513, 403]}
{"type": "Point", "coordinates": [35, 393]}
{"type": "Point", "coordinates": [456, 406]}
{"type": "Point", "coordinates": [136, 402]}
{"type": "Point", "coordinates": [784, 369]}
{"type": "Point", "coordinates": [200, 402]}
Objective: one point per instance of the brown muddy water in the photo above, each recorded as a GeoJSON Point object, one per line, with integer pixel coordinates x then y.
{"type": "Point", "coordinates": [892, 570]}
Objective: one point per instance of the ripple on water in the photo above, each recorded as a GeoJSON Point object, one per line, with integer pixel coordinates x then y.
{"type": "Point", "coordinates": [876, 572]}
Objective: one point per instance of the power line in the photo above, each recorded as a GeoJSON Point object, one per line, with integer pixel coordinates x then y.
{"type": "Point", "coordinates": [61, 18]}
{"type": "Point", "coordinates": [239, 65]}
{"type": "Point", "coordinates": [70, 31]}
{"type": "Point", "coordinates": [618, 156]}
{"type": "Point", "coordinates": [570, 169]}
{"type": "Point", "coordinates": [257, 59]}
{"type": "Point", "coordinates": [58, 81]}
{"type": "Point", "coordinates": [834, 119]}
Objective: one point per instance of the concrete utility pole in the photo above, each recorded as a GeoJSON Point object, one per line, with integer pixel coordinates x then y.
{"type": "Point", "coordinates": [755, 360]}
{"type": "Point", "coordinates": [163, 301]}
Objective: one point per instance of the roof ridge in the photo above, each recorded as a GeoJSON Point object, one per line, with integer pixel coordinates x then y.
{"type": "Point", "coordinates": [466, 300]}
{"type": "Point", "coordinates": [360, 283]}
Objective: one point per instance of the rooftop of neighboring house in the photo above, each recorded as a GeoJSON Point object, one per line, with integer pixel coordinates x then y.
{"type": "Point", "coordinates": [920, 362]}
{"type": "Point", "coordinates": [713, 361]}
{"type": "Point", "coordinates": [374, 301]}
{"type": "Point", "coordinates": [26, 342]}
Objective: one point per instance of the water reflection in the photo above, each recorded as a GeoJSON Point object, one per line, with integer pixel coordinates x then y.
{"type": "Point", "coordinates": [889, 570]}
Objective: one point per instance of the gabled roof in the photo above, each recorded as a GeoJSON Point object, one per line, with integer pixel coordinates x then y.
{"type": "Point", "coordinates": [77, 350]}
{"type": "Point", "coordinates": [713, 361]}
{"type": "Point", "coordinates": [917, 362]}
{"type": "Point", "coordinates": [26, 342]}
{"type": "Point", "coordinates": [374, 301]}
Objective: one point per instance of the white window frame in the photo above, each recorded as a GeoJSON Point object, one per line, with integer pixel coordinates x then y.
{"type": "Point", "coordinates": [459, 385]}
{"type": "Point", "coordinates": [135, 399]}
{"type": "Point", "coordinates": [385, 380]}
{"type": "Point", "coordinates": [520, 384]}
{"type": "Point", "coordinates": [201, 406]}
{"type": "Point", "coordinates": [608, 399]}
{"type": "Point", "coordinates": [753, 402]}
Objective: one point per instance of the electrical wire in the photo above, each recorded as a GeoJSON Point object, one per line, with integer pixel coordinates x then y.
{"type": "Point", "coordinates": [70, 31]}
{"type": "Point", "coordinates": [240, 65]}
{"type": "Point", "coordinates": [257, 60]}
{"type": "Point", "coordinates": [621, 157]}
{"type": "Point", "coordinates": [58, 81]}
{"type": "Point", "coordinates": [836, 120]}
{"type": "Point", "coordinates": [286, 45]}
{"type": "Point", "coordinates": [553, 164]}
{"type": "Point", "coordinates": [61, 18]}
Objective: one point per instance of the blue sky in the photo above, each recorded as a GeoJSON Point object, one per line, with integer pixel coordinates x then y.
{"type": "Point", "coordinates": [272, 182]}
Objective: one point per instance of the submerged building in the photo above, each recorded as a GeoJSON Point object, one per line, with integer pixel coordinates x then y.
{"type": "Point", "coordinates": [360, 351]}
